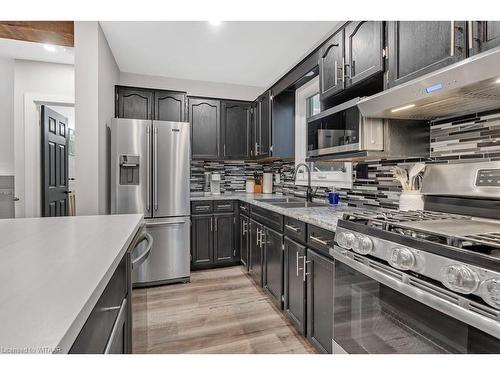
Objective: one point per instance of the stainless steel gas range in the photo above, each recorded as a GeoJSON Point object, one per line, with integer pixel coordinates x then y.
{"type": "Point", "coordinates": [423, 281]}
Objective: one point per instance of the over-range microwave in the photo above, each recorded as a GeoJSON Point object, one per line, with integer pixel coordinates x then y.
{"type": "Point", "coordinates": [342, 132]}
{"type": "Point", "coordinates": [343, 129]}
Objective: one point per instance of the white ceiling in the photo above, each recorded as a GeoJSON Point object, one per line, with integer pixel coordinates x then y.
{"type": "Point", "coordinates": [17, 49]}
{"type": "Point", "coordinates": [246, 53]}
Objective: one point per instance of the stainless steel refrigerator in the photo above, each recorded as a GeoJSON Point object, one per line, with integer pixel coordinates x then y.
{"type": "Point", "coordinates": [150, 167]}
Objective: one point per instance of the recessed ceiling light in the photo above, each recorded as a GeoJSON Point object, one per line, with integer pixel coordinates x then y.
{"type": "Point", "coordinates": [402, 108]}
{"type": "Point", "coordinates": [215, 23]}
{"type": "Point", "coordinates": [49, 48]}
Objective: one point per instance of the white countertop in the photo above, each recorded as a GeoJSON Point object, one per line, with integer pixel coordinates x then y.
{"type": "Point", "coordinates": [52, 272]}
{"type": "Point", "coordinates": [325, 217]}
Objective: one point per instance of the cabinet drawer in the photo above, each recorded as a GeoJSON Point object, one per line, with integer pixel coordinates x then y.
{"type": "Point", "coordinates": [244, 208]}
{"type": "Point", "coordinates": [295, 229]}
{"type": "Point", "coordinates": [96, 331]}
{"type": "Point", "coordinates": [319, 239]}
{"type": "Point", "coordinates": [223, 206]}
{"type": "Point", "coordinates": [201, 207]}
{"type": "Point", "coordinates": [270, 219]}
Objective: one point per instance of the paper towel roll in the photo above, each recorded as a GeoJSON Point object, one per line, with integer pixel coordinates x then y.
{"type": "Point", "coordinates": [267, 187]}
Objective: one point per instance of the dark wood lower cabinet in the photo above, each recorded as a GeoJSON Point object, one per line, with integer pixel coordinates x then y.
{"type": "Point", "coordinates": [202, 240]}
{"type": "Point", "coordinates": [295, 286]}
{"type": "Point", "coordinates": [255, 248]}
{"type": "Point", "coordinates": [273, 265]}
{"type": "Point", "coordinates": [320, 301]}
{"type": "Point", "coordinates": [244, 236]}
{"type": "Point", "coordinates": [224, 249]}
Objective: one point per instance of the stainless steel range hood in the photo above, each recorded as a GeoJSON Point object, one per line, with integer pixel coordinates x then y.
{"type": "Point", "coordinates": [469, 86]}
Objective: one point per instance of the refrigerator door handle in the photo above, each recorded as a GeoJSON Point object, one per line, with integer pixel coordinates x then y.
{"type": "Point", "coordinates": [148, 169]}
{"type": "Point", "coordinates": [155, 167]}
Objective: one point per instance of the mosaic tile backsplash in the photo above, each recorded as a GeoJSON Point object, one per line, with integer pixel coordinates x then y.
{"type": "Point", "coordinates": [465, 139]}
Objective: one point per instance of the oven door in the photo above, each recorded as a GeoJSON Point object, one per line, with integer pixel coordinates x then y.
{"type": "Point", "coordinates": [374, 312]}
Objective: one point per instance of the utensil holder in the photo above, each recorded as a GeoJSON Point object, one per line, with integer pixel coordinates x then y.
{"type": "Point", "coordinates": [411, 201]}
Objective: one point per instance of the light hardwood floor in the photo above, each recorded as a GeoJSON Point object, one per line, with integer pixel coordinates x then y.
{"type": "Point", "coordinates": [220, 311]}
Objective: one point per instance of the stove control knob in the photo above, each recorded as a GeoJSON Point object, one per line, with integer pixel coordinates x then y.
{"type": "Point", "coordinates": [490, 291]}
{"type": "Point", "coordinates": [345, 239]}
{"type": "Point", "coordinates": [460, 278]}
{"type": "Point", "coordinates": [402, 258]}
{"type": "Point", "coordinates": [362, 244]}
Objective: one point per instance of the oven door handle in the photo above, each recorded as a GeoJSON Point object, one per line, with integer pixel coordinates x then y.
{"type": "Point", "coordinates": [441, 299]}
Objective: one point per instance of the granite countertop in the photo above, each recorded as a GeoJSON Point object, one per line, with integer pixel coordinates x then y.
{"type": "Point", "coordinates": [325, 217]}
{"type": "Point", "coordinates": [53, 271]}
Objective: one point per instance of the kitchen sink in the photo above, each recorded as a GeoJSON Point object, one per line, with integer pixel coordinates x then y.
{"type": "Point", "coordinates": [302, 204]}
{"type": "Point", "coordinates": [281, 200]}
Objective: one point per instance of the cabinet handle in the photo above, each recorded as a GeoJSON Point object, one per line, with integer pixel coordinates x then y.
{"type": "Point", "coordinates": [215, 220]}
{"type": "Point", "coordinates": [296, 230]}
{"type": "Point", "coordinates": [319, 240]}
{"type": "Point", "coordinates": [452, 38]}
{"type": "Point", "coordinates": [297, 262]}
{"type": "Point", "coordinates": [343, 70]}
{"type": "Point", "coordinates": [224, 206]}
{"type": "Point", "coordinates": [470, 35]}
{"type": "Point", "coordinates": [305, 273]}
{"type": "Point", "coordinates": [211, 224]}
{"type": "Point", "coordinates": [258, 235]}
{"type": "Point", "coordinates": [262, 238]}
{"type": "Point", "coordinates": [244, 227]}
{"type": "Point", "coordinates": [224, 149]}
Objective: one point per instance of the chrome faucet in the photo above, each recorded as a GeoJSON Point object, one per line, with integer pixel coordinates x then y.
{"type": "Point", "coordinates": [309, 194]}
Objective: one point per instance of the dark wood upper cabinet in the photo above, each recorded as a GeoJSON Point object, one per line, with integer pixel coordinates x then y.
{"type": "Point", "coordinates": [263, 126]}
{"type": "Point", "coordinates": [235, 121]}
{"type": "Point", "coordinates": [485, 35]}
{"type": "Point", "coordinates": [331, 66]}
{"type": "Point", "coordinates": [204, 116]}
{"type": "Point", "coordinates": [134, 103]}
{"type": "Point", "coordinates": [170, 106]}
{"type": "Point", "coordinates": [416, 48]}
{"type": "Point", "coordinates": [363, 50]}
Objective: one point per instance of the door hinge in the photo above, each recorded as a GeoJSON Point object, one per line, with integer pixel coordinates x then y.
{"type": "Point", "coordinates": [385, 52]}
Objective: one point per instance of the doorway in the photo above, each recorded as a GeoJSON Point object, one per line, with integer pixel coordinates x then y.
{"type": "Point", "coordinates": [57, 177]}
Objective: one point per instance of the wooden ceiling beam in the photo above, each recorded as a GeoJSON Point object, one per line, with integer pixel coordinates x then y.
{"type": "Point", "coordinates": [60, 33]}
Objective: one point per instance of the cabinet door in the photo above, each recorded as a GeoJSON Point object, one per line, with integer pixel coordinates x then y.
{"type": "Point", "coordinates": [295, 290]}
{"type": "Point", "coordinates": [134, 103]}
{"type": "Point", "coordinates": [202, 240]}
{"type": "Point", "coordinates": [254, 132]}
{"type": "Point", "coordinates": [420, 47]}
{"type": "Point", "coordinates": [485, 35]}
{"type": "Point", "coordinates": [363, 50]}
{"type": "Point", "coordinates": [263, 125]}
{"type": "Point", "coordinates": [273, 265]}
{"type": "Point", "coordinates": [255, 268]}
{"type": "Point", "coordinates": [331, 66]}
{"type": "Point", "coordinates": [235, 129]}
{"type": "Point", "coordinates": [244, 236]}
{"type": "Point", "coordinates": [320, 301]}
{"type": "Point", "coordinates": [204, 116]}
{"type": "Point", "coordinates": [170, 106]}
{"type": "Point", "coordinates": [224, 250]}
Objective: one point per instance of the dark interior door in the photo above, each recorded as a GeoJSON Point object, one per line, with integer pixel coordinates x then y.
{"type": "Point", "coordinates": [54, 132]}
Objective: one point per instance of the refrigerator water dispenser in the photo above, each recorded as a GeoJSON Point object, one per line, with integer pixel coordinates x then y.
{"type": "Point", "coordinates": [129, 169]}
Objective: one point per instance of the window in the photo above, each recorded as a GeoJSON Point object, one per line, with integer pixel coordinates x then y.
{"type": "Point", "coordinates": [323, 173]}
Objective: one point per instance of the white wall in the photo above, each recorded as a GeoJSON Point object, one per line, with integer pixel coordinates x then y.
{"type": "Point", "coordinates": [192, 87]}
{"type": "Point", "coordinates": [41, 80]}
{"type": "Point", "coordinates": [108, 75]}
{"type": "Point", "coordinates": [6, 116]}
{"type": "Point", "coordinates": [96, 73]}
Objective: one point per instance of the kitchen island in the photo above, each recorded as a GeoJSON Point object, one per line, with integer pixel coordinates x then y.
{"type": "Point", "coordinates": [53, 273]}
